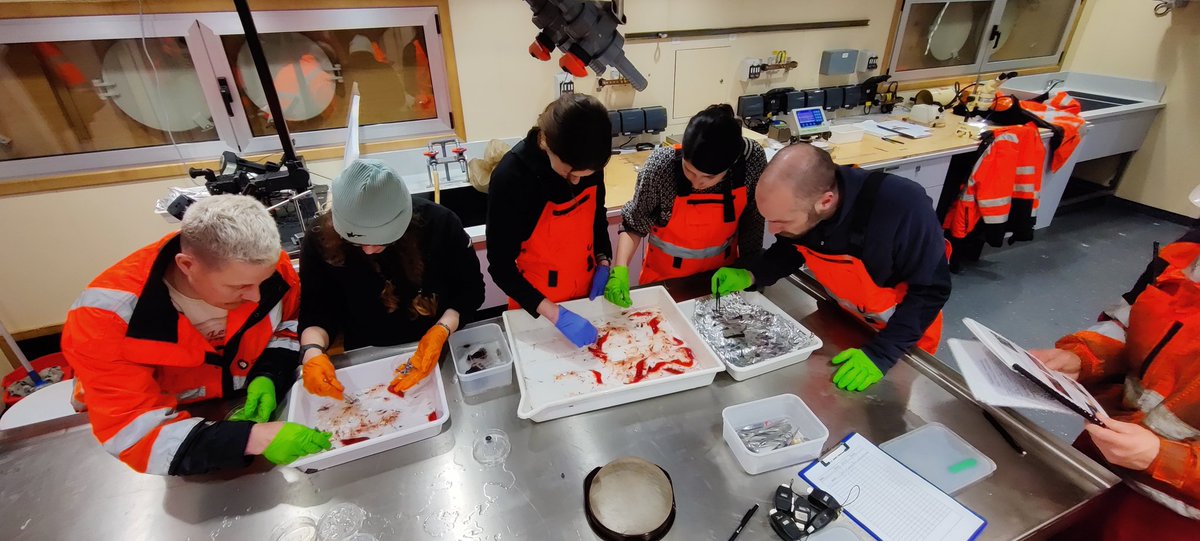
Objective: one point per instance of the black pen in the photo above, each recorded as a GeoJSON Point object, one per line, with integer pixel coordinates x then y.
{"type": "Point", "coordinates": [745, 520]}
{"type": "Point", "coordinates": [1003, 433]}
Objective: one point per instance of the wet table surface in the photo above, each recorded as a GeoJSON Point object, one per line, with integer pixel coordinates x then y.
{"type": "Point", "coordinates": [57, 483]}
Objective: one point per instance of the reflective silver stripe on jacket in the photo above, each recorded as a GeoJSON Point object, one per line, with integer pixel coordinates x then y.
{"type": "Point", "coordinates": [284, 343]}
{"type": "Point", "coordinates": [239, 382]}
{"type": "Point", "coordinates": [884, 316]}
{"type": "Point", "coordinates": [118, 302]}
{"type": "Point", "coordinates": [991, 203]}
{"type": "Point", "coordinates": [1137, 396]}
{"type": "Point", "coordinates": [1110, 329]}
{"type": "Point", "coordinates": [689, 253]}
{"type": "Point", "coordinates": [137, 429]}
{"type": "Point", "coordinates": [162, 453]}
{"type": "Point", "coordinates": [1026, 170]}
{"type": "Point", "coordinates": [1165, 423]}
{"type": "Point", "coordinates": [1173, 504]}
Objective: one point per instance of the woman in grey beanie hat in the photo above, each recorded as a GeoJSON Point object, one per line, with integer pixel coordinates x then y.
{"type": "Point", "coordinates": [383, 268]}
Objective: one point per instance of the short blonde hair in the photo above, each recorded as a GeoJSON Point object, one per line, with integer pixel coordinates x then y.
{"type": "Point", "coordinates": [227, 228]}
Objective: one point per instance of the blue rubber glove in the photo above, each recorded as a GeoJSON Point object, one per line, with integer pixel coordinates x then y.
{"type": "Point", "coordinates": [578, 330]}
{"type": "Point", "coordinates": [857, 371]}
{"type": "Point", "coordinates": [599, 280]}
{"type": "Point", "coordinates": [260, 401]}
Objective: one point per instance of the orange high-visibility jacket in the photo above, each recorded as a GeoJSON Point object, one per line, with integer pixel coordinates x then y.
{"type": "Point", "coordinates": [136, 358]}
{"type": "Point", "coordinates": [1010, 166]}
{"type": "Point", "coordinates": [1062, 110]}
{"type": "Point", "coordinates": [1154, 344]}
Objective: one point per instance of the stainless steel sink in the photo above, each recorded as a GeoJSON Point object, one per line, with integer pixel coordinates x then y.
{"type": "Point", "coordinates": [1093, 102]}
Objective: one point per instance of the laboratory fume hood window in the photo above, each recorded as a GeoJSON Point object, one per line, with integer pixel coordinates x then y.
{"type": "Point", "coordinates": [93, 93]}
{"type": "Point", "coordinates": [314, 71]}
{"type": "Point", "coordinates": [66, 98]}
{"type": "Point", "coordinates": [947, 38]}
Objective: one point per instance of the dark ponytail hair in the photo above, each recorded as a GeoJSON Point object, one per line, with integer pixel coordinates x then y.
{"type": "Point", "coordinates": [577, 130]}
{"type": "Point", "coordinates": [713, 141]}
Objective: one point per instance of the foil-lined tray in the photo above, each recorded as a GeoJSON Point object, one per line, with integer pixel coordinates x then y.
{"type": "Point", "coordinates": [744, 333]}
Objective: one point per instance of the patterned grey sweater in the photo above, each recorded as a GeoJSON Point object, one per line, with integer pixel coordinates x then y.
{"type": "Point", "coordinates": [654, 197]}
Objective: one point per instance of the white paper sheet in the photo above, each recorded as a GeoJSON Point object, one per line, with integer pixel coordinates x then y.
{"type": "Point", "coordinates": [887, 499]}
{"type": "Point", "coordinates": [994, 383]}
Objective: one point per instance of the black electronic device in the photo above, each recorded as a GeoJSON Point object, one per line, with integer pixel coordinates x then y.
{"type": "Point", "coordinates": [796, 517]}
{"type": "Point", "coordinates": [814, 98]}
{"type": "Point", "coordinates": [750, 106]}
{"type": "Point", "coordinates": [656, 118]}
{"type": "Point", "coordinates": [834, 97]}
{"type": "Point", "coordinates": [775, 101]}
{"type": "Point", "coordinates": [852, 96]}
{"type": "Point", "coordinates": [633, 121]}
{"type": "Point", "coordinates": [795, 100]}
{"type": "Point", "coordinates": [258, 180]}
{"type": "Point", "coordinates": [614, 119]}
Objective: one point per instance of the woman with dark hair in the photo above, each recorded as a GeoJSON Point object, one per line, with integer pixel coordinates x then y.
{"type": "Point", "coordinates": [694, 202]}
{"type": "Point", "coordinates": [547, 229]}
{"type": "Point", "coordinates": [383, 268]}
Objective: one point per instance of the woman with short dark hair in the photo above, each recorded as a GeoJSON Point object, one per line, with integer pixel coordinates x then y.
{"type": "Point", "coordinates": [694, 203]}
{"type": "Point", "coordinates": [547, 229]}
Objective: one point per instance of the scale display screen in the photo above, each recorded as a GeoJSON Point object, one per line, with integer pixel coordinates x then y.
{"type": "Point", "coordinates": [809, 117]}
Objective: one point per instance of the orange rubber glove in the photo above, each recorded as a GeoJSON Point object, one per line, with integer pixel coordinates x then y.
{"type": "Point", "coordinates": [321, 379]}
{"type": "Point", "coordinates": [423, 361]}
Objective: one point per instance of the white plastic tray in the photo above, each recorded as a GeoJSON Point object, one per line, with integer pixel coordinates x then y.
{"type": "Point", "coordinates": [785, 405]}
{"type": "Point", "coordinates": [933, 450]}
{"type": "Point", "coordinates": [302, 408]}
{"type": "Point", "coordinates": [740, 373]}
{"type": "Point", "coordinates": [555, 399]}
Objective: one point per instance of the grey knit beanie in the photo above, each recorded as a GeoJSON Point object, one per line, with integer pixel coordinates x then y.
{"type": "Point", "coordinates": [371, 204]}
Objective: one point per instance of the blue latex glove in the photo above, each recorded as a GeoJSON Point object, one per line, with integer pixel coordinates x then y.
{"type": "Point", "coordinates": [578, 330]}
{"type": "Point", "coordinates": [599, 281]}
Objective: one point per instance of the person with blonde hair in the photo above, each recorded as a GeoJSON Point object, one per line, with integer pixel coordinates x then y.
{"type": "Point", "coordinates": [205, 313]}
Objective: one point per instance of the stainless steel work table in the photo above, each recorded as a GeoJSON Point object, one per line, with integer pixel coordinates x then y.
{"type": "Point", "coordinates": [57, 483]}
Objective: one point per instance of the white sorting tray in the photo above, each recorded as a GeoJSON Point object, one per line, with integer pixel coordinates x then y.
{"type": "Point", "coordinates": [762, 367]}
{"type": "Point", "coordinates": [554, 399]}
{"type": "Point", "coordinates": [302, 408]}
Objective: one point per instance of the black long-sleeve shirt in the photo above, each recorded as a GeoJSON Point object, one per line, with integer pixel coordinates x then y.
{"type": "Point", "coordinates": [521, 186]}
{"type": "Point", "coordinates": [346, 299]}
{"type": "Point", "coordinates": [903, 243]}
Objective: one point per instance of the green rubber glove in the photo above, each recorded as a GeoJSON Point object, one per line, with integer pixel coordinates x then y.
{"type": "Point", "coordinates": [260, 401]}
{"type": "Point", "coordinates": [294, 441]}
{"type": "Point", "coordinates": [857, 371]}
{"type": "Point", "coordinates": [730, 280]}
{"type": "Point", "coordinates": [617, 288]}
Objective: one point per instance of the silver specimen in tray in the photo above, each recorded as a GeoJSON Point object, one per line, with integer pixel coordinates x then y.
{"type": "Point", "coordinates": [743, 334]}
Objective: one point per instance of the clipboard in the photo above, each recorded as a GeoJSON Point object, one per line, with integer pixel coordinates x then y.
{"type": "Point", "coordinates": [892, 501]}
{"type": "Point", "coordinates": [1024, 363]}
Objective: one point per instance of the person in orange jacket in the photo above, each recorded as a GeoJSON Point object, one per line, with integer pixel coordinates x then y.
{"type": "Point", "coordinates": [205, 313]}
{"type": "Point", "coordinates": [1140, 361]}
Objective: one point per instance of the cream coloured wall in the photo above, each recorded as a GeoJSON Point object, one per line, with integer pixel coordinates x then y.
{"type": "Point", "coordinates": [1164, 49]}
{"type": "Point", "coordinates": [504, 89]}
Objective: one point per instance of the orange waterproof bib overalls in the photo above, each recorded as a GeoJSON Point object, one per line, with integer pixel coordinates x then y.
{"type": "Point", "coordinates": [558, 258]}
{"type": "Point", "coordinates": [847, 280]}
{"type": "Point", "coordinates": [700, 236]}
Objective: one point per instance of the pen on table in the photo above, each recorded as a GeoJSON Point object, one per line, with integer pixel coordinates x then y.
{"type": "Point", "coordinates": [1003, 433]}
{"type": "Point", "coordinates": [745, 520]}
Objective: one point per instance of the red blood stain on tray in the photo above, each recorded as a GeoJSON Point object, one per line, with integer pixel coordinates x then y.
{"type": "Point", "coordinates": [654, 323]}
{"type": "Point", "coordinates": [639, 346]}
{"type": "Point", "coordinates": [352, 441]}
{"type": "Point", "coordinates": [599, 377]}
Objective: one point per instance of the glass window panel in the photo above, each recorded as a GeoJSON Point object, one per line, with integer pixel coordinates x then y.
{"type": "Point", "coordinates": [314, 72]}
{"type": "Point", "coordinates": [85, 96]}
{"type": "Point", "coordinates": [942, 34]}
{"type": "Point", "coordinates": [1032, 28]}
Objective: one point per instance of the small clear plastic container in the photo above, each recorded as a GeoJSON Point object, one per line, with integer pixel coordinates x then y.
{"type": "Point", "coordinates": [845, 133]}
{"type": "Point", "coordinates": [941, 457]}
{"type": "Point", "coordinates": [808, 426]}
{"type": "Point", "coordinates": [484, 344]}
{"type": "Point", "coordinates": [300, 528]}
{"type": "Point", "coordinates": [340, 522]}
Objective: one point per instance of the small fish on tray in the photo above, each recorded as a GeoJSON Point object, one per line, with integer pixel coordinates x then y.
{"type": "Point", "coordinates": [743, 333]}
{"type": "Point", "coordinates": [482, 357]}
